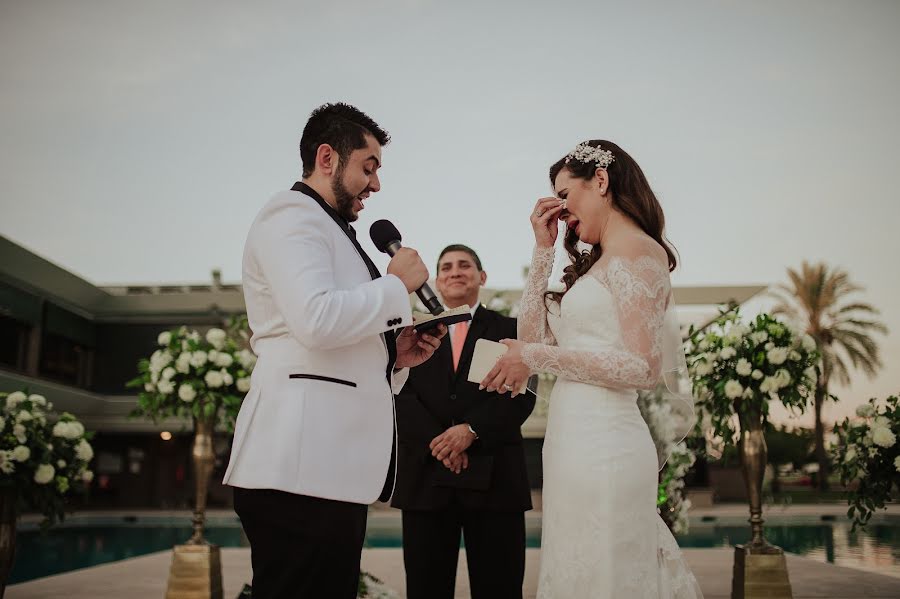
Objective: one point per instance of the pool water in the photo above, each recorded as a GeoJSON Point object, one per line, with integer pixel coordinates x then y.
{"type": "Point", "coordinates": [86, 540]}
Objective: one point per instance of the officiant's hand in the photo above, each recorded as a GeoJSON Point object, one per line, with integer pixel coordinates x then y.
{"type": "Point", "coordinates": [414, 348]}
{"type": "Point", "coordinates": [457, 465]}
{"type": "Point", "coordinates": [543, 221]}
{"type": "Point", "coordinates": [510, 372]}
{"type": "Point", "coordinates": [451, 443]}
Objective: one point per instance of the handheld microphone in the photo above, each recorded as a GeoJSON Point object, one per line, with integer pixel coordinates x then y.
{"type": "Point", "coordinates": [387, 239]}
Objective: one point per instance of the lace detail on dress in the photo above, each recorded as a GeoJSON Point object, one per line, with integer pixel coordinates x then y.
{"type": "Point", "coordinates": [676, 581]}
{"type": "Point", "coordinates": [532, 319]}
{"type": "Point", "coordinates": [640, 290]}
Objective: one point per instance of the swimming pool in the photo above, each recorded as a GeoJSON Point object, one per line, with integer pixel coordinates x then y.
{"type": "Point", "coordinates": [85, 540]}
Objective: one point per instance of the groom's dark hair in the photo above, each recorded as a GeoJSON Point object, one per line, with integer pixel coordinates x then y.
{"type": "Point", "coordinates": [341, 126]}
{"type": "Point", "coordinates": [458, 247]}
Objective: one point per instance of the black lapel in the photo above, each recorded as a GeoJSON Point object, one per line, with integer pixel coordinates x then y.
{"type": "Point", "coordinates": [389, 338]}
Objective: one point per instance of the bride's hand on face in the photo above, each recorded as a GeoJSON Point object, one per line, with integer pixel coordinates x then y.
{"type": "Point", "coordinates": [543, 221]}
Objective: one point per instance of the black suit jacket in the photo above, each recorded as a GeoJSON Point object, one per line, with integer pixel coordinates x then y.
{"type": "Point", "coordinates": [434, 399]}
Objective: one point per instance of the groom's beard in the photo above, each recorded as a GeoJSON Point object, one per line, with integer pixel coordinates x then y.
{"type": "Point", "coordinates": [342, 196]}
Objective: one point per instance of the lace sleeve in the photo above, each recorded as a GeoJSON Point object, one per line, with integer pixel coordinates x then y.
{"type": "Point", "coordinates": [640, 289]}
{"type": "Point", "coordinates": [532, 320]}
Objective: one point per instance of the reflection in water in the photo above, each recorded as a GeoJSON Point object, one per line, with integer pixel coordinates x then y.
{"type": "Point", "coordinates": [71, 547]}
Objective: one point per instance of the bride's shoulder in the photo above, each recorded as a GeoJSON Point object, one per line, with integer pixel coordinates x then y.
{"type": "Point", "coordinates": [636, 250]}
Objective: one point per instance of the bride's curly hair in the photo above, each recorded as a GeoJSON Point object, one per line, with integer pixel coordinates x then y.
{"type": "Point", "coordinates": [630, 194]}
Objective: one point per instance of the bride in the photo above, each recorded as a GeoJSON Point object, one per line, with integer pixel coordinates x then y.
{"type": "Point", "coordinates": [607, 335]}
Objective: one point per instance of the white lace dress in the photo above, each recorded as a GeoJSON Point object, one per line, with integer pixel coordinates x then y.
{"type": "Point", "coordinates": [601, 534]}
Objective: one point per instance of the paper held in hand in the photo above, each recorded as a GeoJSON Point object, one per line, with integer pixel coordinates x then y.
{"type": "Point", "coordinates": [423, 322]}
{"type": "Point", "coordinates": [484, 358]}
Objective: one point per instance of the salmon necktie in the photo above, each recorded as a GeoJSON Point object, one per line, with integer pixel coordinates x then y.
{"type": "Point", "coordinates": [460, 330]}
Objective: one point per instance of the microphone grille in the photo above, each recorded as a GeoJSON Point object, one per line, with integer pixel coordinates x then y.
{"type": "Point", "coordinates": [383, 232]}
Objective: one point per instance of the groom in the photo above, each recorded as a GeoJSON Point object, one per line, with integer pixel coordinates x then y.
{"type": "Point", "coordinates": [314, 440]}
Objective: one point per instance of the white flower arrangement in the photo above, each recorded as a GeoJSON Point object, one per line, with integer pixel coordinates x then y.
{"type": "Point", "coordinates": [868, 456]}
{"type": "Point", "coordinates": [42, 461]}
{"type": "Point", "coordinates": [738, 368]}
{"type": "Point", "coordinates": [192, 375]}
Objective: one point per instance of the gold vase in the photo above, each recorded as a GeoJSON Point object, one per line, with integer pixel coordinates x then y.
{"type": "Point", "coordinates": [760, 569]}
{"type": "Point", "coordinates": [196, 571]}
{"type": "Point", "coordinates": [8, 514]}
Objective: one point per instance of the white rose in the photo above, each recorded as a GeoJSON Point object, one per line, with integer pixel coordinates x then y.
{"type": "Point", "coordinates": [850, 455]}
{"type": "Point", "coordinates": [198, 359]}
{"type": "Point", "coordinates": [744, 367]}
{"type": "Point", "coordinates": [154, 376]}
{"type": "Point", "coordinates": [809, 344]}
{"type": "Point", "coordinates": [213, 379]}
{"type": "Point", "coordinates": [216, 337]}
{"type": "Point", "coordinates": [19, 432]}
{"type": "Point", "coordinates": [727, 352]}
{"type": "Point", "coordinates": [748, 393]}
{"type": "Point", "coordinates": [703, 345]}
{"type": "Point", "coordinates": [44, 474]}
{"type": "Point", "coordinates": [769, 345]}
{"type": "Point", "coordinates": [224, 360]}
{"type": "Point", "coordinates": [865, 411]}
{"type": "Point", "coordinates": [168, 373]}
{"type": "Point", "coordinates": [226, 377]}
{"type": "Point", "coordinates": [49, 446]}
{"type": "Point", "coordinates": [768, 385]}
{"type": "Point", "coordinates": [777, 355]}
{"type": "Point", "coordinates": [84, 451]}
{"type": "Point", "coordinates": [883, 437]}
{"type": "Point", "coordinates": [756, 375]}
{"type": "Point", "coordinates": [704, 365]}
{"type": "Point", "coordinates": [23, 416]}
{"type": "Point", "coordinates": [795, 356]}
{"type": "Point", "coordinates": [733, 389]}
{"type": "Point", "coordinates": [14, 399]}
{"type": "Point", "coordinates": [243, 385]}
{"type": "Point", "coordinates": [160, 359]}
{"type": "Point", "coordinates": [247, 359]}
{"type": "Point", "coordinates": [212, 356]}
{"type": "Point", "coordinates": [882, 421]}
{"type": "Point", "coordinates": [61, 464]}
{"type": "Point", "coordinates": [183, 363]}
{"type": "Point", "coordinates": [782, 378]}
{"type": "Point", "coordinates": [164, 338]}
{"type": "Point", "coordinates": [6, 463]}
{"type": "Point", "coordinates": [166, 387]}
{"type": "Point", "coordinates": [873, 452]}
{"type": "Point", "coordinates": [149, 387]}
{"type": "Point", "coordinates": [21, 453]}
{"type": "Point", "coordinates": [773, 395]}
{"type": "Point", "coordinates": [37, 399]}
{"type": "Point", "coordinates": [759, 337]}
{"type": "Point", "coordinates": [87, 476]}
{"type": "Point", "coordinates": [811, 375]}
{"type": "Point", "coordinates": [897, 463]}
{"type": "Point", "coordinates": [187, 393]}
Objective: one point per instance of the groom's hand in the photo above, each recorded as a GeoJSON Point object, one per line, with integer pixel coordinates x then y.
{"type": "Point", "coordinates": [452, 442]}
{"type": "Point", "coordinates": [415, 348]}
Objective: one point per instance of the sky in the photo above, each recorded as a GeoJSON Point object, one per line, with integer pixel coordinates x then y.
{"type": "Point", "coordinates": [139, 139]}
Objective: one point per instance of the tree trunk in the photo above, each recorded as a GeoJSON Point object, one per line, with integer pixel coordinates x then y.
{"type": "Point", "coordinates": [821, 455]}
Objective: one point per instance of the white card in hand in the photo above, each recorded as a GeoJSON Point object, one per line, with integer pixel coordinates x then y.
{"type": "Point", "coordinates": [484, 358]}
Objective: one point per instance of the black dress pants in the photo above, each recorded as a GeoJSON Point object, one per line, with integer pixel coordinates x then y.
{"type": "Point", "coordinates": [495, 552]}
{"type": "Point", "coordinates": [301, 546]}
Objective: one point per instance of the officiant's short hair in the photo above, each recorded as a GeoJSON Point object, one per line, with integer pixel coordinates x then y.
{"type": "Point", "coordinates": [458, 247]}
{"type": "Point", "coordinates": [341, 126]}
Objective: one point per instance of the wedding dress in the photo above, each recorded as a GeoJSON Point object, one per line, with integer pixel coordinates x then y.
{"type": "Point", "coordinates": [601, 534]}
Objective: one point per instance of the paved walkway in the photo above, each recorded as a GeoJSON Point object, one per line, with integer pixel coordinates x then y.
{"type": "Point", "coordinates": [145, 577]}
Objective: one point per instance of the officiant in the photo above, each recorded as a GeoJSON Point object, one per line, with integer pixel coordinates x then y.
{"type": "Point", "coordinates": [460, 459]}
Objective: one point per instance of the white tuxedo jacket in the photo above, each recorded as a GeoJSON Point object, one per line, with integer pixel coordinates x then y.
{"type": "Point", "coordinates": [319, 417]}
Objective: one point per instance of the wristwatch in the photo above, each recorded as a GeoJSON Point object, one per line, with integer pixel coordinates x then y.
{"type": "Point", "coordinates": [472, 430]}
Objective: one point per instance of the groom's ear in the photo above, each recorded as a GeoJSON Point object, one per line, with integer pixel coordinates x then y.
{"type": "Point", "coordinates": [327, 160]}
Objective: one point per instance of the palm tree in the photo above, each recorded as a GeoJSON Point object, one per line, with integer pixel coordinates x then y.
{"type": "Point", "coordinates": [816, 298]}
